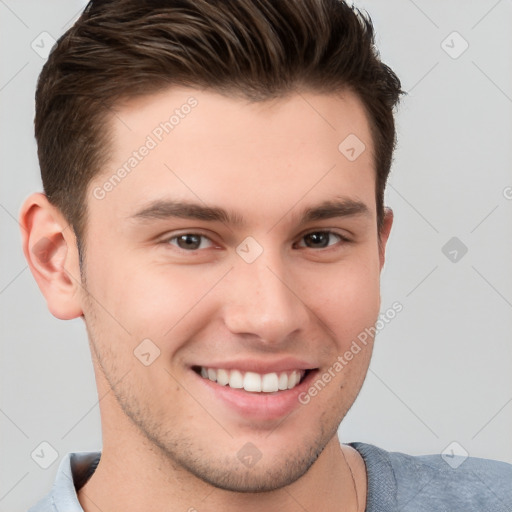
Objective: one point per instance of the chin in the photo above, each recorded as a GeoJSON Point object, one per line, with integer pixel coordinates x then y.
{"type": "Point", "coordinates": [264, 476]}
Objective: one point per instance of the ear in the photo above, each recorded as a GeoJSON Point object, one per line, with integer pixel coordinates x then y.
{"type": "Point", "coordinates": [49, 245]}
{"type": "Point", "coordinates": [384, 234]}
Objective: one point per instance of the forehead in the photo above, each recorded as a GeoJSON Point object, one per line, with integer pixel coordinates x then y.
{"type": "Point", "coordinates": [260, 158]}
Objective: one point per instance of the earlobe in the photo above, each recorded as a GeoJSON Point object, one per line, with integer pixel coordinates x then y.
{"type": "Point", "coordinates": [384, 234]}
{"type": "Point", "coordinates": [49, 245]}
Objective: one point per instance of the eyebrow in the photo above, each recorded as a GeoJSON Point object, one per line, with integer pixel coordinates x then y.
{"type": "Point", "coordinates": [167, 209]}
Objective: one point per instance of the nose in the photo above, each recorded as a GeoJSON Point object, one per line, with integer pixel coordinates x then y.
{"type": "Point", "coordinates": [260, 301]}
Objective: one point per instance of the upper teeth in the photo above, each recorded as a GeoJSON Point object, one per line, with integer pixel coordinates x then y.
{"type": "Point", "coordinates": [251, 381]}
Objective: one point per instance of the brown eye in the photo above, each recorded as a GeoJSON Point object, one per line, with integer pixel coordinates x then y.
{"type": "Point", "coordinates": [189, 241]}
{"type": "Point", "coordinates": [320, 239]}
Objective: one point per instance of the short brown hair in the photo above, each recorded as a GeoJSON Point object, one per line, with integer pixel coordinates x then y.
{"type": "Point", "coordinates": [257, 49]}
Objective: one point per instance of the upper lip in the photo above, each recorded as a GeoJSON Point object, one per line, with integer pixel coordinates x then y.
{"type": "Point", "coordinates": [260, 366]}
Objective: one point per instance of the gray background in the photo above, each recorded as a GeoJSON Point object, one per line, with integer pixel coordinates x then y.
{"type": "Point", "coordinates": [441, 371]}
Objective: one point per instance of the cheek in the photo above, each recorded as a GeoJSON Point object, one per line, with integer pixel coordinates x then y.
{"type": "Point", "coordinates": [346, 295]}
{"type": "Point", "coordinates": [159, 301]}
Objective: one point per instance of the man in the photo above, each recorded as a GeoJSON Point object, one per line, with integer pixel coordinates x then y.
{"type": "Point", "coordinates": [214, 176]}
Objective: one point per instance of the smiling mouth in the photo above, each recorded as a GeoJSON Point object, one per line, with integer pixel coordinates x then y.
{"type": "Point", "coordinates": [252, 381]}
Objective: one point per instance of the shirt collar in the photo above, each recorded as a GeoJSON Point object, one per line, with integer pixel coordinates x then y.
{"type": "Point", "coordinates": [74, 471]}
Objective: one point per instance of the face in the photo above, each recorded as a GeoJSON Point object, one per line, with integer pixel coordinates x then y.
{"type": "Point", "coordinates": [228, 267]}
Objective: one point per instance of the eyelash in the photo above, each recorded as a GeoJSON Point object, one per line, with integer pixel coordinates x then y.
{"type": "Point", "coordinates": [342, 238]}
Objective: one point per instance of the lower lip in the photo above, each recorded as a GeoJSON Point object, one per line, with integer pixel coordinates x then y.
{"type": "Point", "coordinates": [258, 406]}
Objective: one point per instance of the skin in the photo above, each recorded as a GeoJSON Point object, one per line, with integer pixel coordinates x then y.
{"type": "Point", "coordinates": [165, 439]}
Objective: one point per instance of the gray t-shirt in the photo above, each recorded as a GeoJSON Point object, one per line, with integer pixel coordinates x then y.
{"type": "Point", "coordinates": [396, 482]}
{"type": "Point", "coordinates": [406, 483]}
